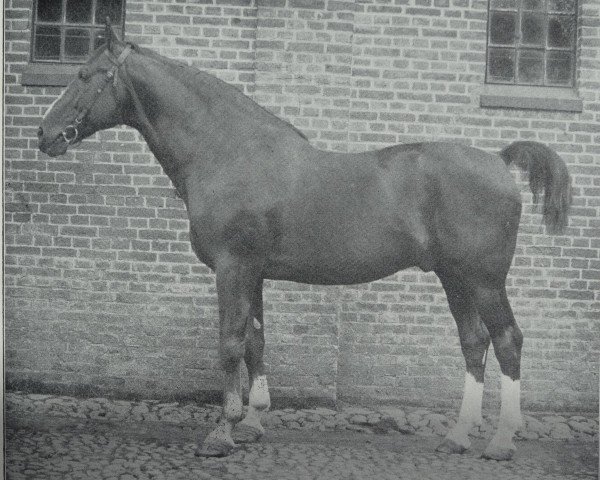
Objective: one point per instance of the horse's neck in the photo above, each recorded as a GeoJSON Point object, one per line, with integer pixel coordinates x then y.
{"type": "Point", "coordinates": [174, 123]}
{"type": "Point", "coordinates": [199, 124]}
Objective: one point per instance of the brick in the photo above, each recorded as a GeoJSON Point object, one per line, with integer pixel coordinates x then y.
{"type": "Point", "coordinates": [180, 19]}
{"type": "Point", "coordinates": [79, 231]}
{"type": "Point", "coordinates": [100, 236]}
{"type": "Point", "coordinates": [305, 47]}
{"type": "Point", "coordinates": [316, 4]}
{"type": "Point", "coordinates": [424, 11]}
{"type": "Point", "coordinates": [157, 235]}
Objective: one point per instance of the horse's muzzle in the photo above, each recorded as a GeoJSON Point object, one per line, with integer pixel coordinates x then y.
{"type": "Point", "coordinates": [52, 144]}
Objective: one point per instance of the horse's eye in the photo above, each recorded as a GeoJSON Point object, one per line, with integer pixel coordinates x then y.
{"type": "Point", "coordinates": [84, 74]}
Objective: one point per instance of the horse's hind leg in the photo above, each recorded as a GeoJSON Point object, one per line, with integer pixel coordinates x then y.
{"type": "Point", "coordinates": [474, 342]}
{"type": "Point", "coordinates": [492, 304]}
{"type": "Point", "coordinates": [250, 428]}
{"type": "Point", "coordinates": [236, 284]}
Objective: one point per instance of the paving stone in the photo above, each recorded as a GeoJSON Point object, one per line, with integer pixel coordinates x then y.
{"type": "Point", "coordinates": [413, 419]}
{"type": "Point", "coordinates": [581, 426]}
{"type": "Point", "coordinates": [528, 435]}
{"type": "Point", "coordinates": [358, 419]}
{"type": "Point", "coordinates": [38, 396]}
{"type": "Point", "coordinates": [554, 419]}
{"type": "Point", "coordinates": [357, 411]}
{"type": "Point", "coordinates": [373, 418]}
{"type": "Point", "coordinates": [536, 426]}
{"type": "Point", "coordinates": [324, 412]}
{"type": "Point", "coordinates": [406, 429]}
{"type": "Point", "coordinates": [290, 417]}
{"type": "Point", "coordinates": [561, 431]}
{"type": "Point", "coordinates": [432, 417]}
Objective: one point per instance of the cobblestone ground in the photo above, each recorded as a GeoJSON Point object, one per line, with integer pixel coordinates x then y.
{"type": "Point", "coordinates": [51, 437]}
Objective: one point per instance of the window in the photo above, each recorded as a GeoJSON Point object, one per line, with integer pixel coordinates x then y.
{"type": "Point", "coordinates": [67, 31]}
{"type": "Point", "coordinates": [532, 42]}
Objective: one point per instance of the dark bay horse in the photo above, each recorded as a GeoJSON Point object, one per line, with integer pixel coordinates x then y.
{"type": "Point", "coordinates": [264, 204]}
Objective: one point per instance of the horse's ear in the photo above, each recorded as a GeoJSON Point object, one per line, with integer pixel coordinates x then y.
{"type": "Point", "coordinates": [111, 36]}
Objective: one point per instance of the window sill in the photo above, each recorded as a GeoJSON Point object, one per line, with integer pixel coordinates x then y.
{"type": "Point", "coordinates": [49, 74]}
{"type": "Point", "coordinates": [531, 98]}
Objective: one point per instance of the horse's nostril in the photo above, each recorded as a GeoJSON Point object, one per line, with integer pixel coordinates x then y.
{"type": "Point", "coordinates": [40, 132]}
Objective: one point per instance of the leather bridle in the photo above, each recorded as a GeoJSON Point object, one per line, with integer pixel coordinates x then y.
{"type": "Point", "coordinates": [71, 132]}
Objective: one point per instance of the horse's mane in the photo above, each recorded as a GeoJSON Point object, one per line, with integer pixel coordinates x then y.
{"type": "Point", "coordinates": [194, 78]}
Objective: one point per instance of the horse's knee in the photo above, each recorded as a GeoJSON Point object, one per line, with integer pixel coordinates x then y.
{"type": "Point", "coordinates": [510, 339]}
{"type": "Point", "coordinates": [231, 352]}
{"type": "Point", "coordinates": [474, 346]}
{"type": "Point", "coordinates": [517, 337]}
{"type": "Point", "coordinates": [508, 345]}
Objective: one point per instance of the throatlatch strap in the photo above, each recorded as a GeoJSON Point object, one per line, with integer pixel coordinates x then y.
{"type": "Point", "coordinates": [139, 108]}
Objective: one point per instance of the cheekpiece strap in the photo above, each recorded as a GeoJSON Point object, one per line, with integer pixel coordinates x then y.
{"type": "Point", "coordinates": [121, 58]}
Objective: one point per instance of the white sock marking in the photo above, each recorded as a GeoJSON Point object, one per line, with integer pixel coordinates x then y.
{"type": "Point", "coordinates": [473, 394]}
{"type": "Point", "coordinates": [470, 411]}
{"type": "Point", "coordinates": [510, 415]}
{"type": "Point", "coordinates": [510, 408]}
{"type": "Point", "coordinates": [259, 394]}
{"type": "Point", "coordinates": [259, 401]}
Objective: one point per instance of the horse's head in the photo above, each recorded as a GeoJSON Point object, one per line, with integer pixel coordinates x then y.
{"type": "Point", "coordinates": [93, 101]}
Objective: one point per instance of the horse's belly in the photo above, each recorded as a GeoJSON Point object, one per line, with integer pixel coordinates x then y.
{"type": "Point", "coordinates": [345, 263]}
{"type": "Point", "coordinates": [330, 275]}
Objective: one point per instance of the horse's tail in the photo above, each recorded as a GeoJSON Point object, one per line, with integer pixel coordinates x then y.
{"type": "Point", "coordinates": [548, 171]}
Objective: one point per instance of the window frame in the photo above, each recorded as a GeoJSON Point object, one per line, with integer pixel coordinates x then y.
{"type": "Point", "coordinates": [527, 96]}
{"type": "Point", "coordinates": [58, 73]}
{"type": "Point", "coordinates": [517, 46]}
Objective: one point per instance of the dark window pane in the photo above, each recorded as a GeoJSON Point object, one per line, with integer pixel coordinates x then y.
{"type": "Point", "coordinates": [501, 65]}
{"type": "Point", "coordinates": [502, 28]}
{"type": "Point", "coordinates": [562, 5]}
{"type": "Point", "coordinates": [47, 43]}
{"type": "Point", "coordinates": [77, 44]}
{"type": "Point", "coordinates": [49, 10]}
{"type": "Point", "coordinates": [530, 66]}
{"type": "Point", "coordinates": [79, 11]}
{"type": "Point", "coordinates": [108, 8]}
{"type": "Point", "coordinates": [533, 4]}
{"type": "Point", "coordinates": [504, 4]}
{"type": "Point", "coordinates": [532, 29]}
{"type": "Point", "coordinates": [559, 68]}
{"type": "Point", "coordinates": [561, 31]}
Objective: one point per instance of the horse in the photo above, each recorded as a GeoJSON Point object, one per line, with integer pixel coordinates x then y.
{"type": "Point", "coordinates": [263, 203]}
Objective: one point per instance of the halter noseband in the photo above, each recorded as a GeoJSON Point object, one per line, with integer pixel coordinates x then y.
{"type": "Point", "coordinates": [71, 132]}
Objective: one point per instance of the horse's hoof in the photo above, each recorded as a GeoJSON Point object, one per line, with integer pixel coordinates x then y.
{"type": "Point", "coordinates": [215, 449]}
{"type": "Point", "coordinates": [498, 453]}
{"type": "Point", "coordinates": [450, 446]}
{"type": "Point", "coordinates": [244, 433]}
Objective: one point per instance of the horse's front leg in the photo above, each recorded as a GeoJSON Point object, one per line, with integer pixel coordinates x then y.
{"type": "Point", "coordinates": [250, 428]}
{"type": "Point", "coordinates": [236, 284]}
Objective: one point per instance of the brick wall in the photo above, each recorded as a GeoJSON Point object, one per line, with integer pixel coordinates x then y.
{"type": "Point", "coordinates": [103, 294]}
